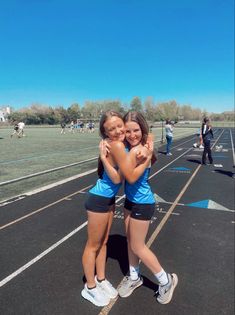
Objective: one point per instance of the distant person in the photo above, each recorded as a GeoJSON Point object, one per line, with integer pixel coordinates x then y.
{"type": "Point", "coordinates": [15, 129]}
{"type": "Point", "coordinates": [81, 127]}
{"type": "Point", "coordinates": [169, 136]}
{"type": "Point", "coordinates": [63, 126]}
{"type": "Point", "coordinates": [91, 127]}
{"type": "Point", "coordinates": [72, 127]}
{"type": "Point", "coordinates": [21, 126]}
{"type": "Point", "coordinates": [207, 135]}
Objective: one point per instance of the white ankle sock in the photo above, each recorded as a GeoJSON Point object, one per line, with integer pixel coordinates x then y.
{"type": "Point", "coordinates": [161, 277]}
{"type": "Point", "coordinates": [134, 272]}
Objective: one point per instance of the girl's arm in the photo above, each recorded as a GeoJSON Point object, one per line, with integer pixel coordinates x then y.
{"type": "Point", "coordinates": [127, 161]}
{"type": "Point", "coordinates": [114, 175]}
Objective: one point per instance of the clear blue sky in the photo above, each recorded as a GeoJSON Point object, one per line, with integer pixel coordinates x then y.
{"type": "Point", "coordinates": [57, 52]}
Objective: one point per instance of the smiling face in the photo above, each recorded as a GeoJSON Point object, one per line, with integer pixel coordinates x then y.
{"type": "Point", "coordinates": [133, 133]}
{"type": "Point", "coordinates": [114, 128]}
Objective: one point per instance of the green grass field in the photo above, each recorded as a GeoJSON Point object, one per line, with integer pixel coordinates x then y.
{"type": "Point", "coordinates": [45, 148]}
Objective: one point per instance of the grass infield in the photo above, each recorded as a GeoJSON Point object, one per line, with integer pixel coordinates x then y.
{"type": "Point", "coordinates": [45, 148]}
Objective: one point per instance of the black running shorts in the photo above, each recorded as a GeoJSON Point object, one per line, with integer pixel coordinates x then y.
{"type": "Point", "coordinates": [140, 211]}
{"type": "Point", "coordinates": [97, 203]}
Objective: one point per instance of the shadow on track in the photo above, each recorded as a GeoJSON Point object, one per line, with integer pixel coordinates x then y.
{"type": "Point", "coordinates": [194, 161]}
{"type": "Point", "coordinates": [228, 173]}
{"type": "Point", "coordinates": [117, 249]}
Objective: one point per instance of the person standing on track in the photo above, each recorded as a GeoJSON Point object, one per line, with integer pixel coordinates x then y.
{"type": "Point", "coordinates": [138, 209]}
{"type": "Point", "coordinates": [169, 136]}
{"type": "Point", "coordinates": [100, 205]}
{"type": "Point", "coordinates": [207, 135]}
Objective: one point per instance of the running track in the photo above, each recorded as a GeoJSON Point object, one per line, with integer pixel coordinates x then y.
{"type": "Point", "coordinates": [192, 232]}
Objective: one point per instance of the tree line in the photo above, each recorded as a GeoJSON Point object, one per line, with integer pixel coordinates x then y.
{"type": "Point", "coordinates": [38, 114]}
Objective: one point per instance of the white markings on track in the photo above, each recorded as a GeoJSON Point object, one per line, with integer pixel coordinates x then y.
{"type": "Point", "coordinates": [43, 208]}
{"type": "Point", "coordinates": [105, 310]}
{"type": "Point", "coordinates": [37, 258]}
{"type": "Point", "coordinates": [45, 172]}
{"type": "Point", "coordinates": [169, 163]}
{"type": "Point", "coordinates": [152, 238]}
{"type": "Point", "coordinates": [36, 191]}
{"type": "Point", "coordinates": [194, 155]}
{"type": "Point", "coordinates": [232, 147]}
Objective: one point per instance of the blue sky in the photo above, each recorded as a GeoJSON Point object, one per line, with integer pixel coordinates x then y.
{"type": "Point", "coordinates": [58, 52]}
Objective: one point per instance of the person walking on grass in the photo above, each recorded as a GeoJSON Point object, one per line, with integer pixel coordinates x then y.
{"type": "Point", "coordinates": [63, 127]}
{"type": "Point", "coordinates": [15, 129]}
{"type": "Point", "coordinates": [138, 209]}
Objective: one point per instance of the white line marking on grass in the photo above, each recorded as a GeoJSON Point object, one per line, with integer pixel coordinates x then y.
{"type": "Point", "coordinates": [35, 259]}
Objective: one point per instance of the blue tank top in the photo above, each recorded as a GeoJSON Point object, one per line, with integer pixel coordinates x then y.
{"type": "Point", "coordinates": [140, 191]}
{"type": "Point", "coordinates": [105, 187]}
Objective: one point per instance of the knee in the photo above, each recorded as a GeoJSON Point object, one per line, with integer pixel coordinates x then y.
{"type": "Point", "coordinates": [137, 248]}
{"type": "Point", "coordinates": [93, 246]}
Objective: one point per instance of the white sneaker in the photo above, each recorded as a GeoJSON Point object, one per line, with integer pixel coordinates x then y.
{"type": "Point", "coordinates": [107, 287]}
{"type": "Point", "coordinates": [165, 292]}
{"type": "Point", "coordinates": [128, 286]}
{"type": "Point", "coordinates": [168, 154]}
{"type": "Point", "coordinates": [95, 296]}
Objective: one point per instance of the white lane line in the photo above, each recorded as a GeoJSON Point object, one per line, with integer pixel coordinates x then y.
{"type": "Point", "coordinates": [38, 190]}
{"type": "Point", "coordinates": [105, 310]}
{"type": "Point", "coordinates": [45, 172]}
{"type": "Point", "coordinates": [22, 196]}
{"type": "Point", "coordinates": [34, 260]}
{"type": "Point", "coordinates": [170, 163]}
{"type": "Point", "coordinates": [43, 208]}
{"type": "Point", "coordinates": [37, 258]}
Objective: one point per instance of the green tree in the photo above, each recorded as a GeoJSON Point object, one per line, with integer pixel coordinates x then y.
{"type": "Point", "coordinates": [150, 109]}
{"type": "Point", "coordinates": [74, 112]}
{"type": "Point", "coordinates": [136, 104]}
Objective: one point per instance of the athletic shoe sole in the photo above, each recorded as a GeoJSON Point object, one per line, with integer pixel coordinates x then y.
{"type": "Point", "coordinates": [174, 284]}
{"type": "Point", "coordinates": [88, 297]}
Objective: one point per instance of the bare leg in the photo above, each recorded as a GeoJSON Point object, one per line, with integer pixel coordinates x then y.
{"type": "Point", "coordinates": [97, 231]}
{"type": "Point", "coordinates": [138, 230]}
{"type": "Point", "coordinates": [101, 258]}
{"type": "Point", "coordinates": [132, 257]}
